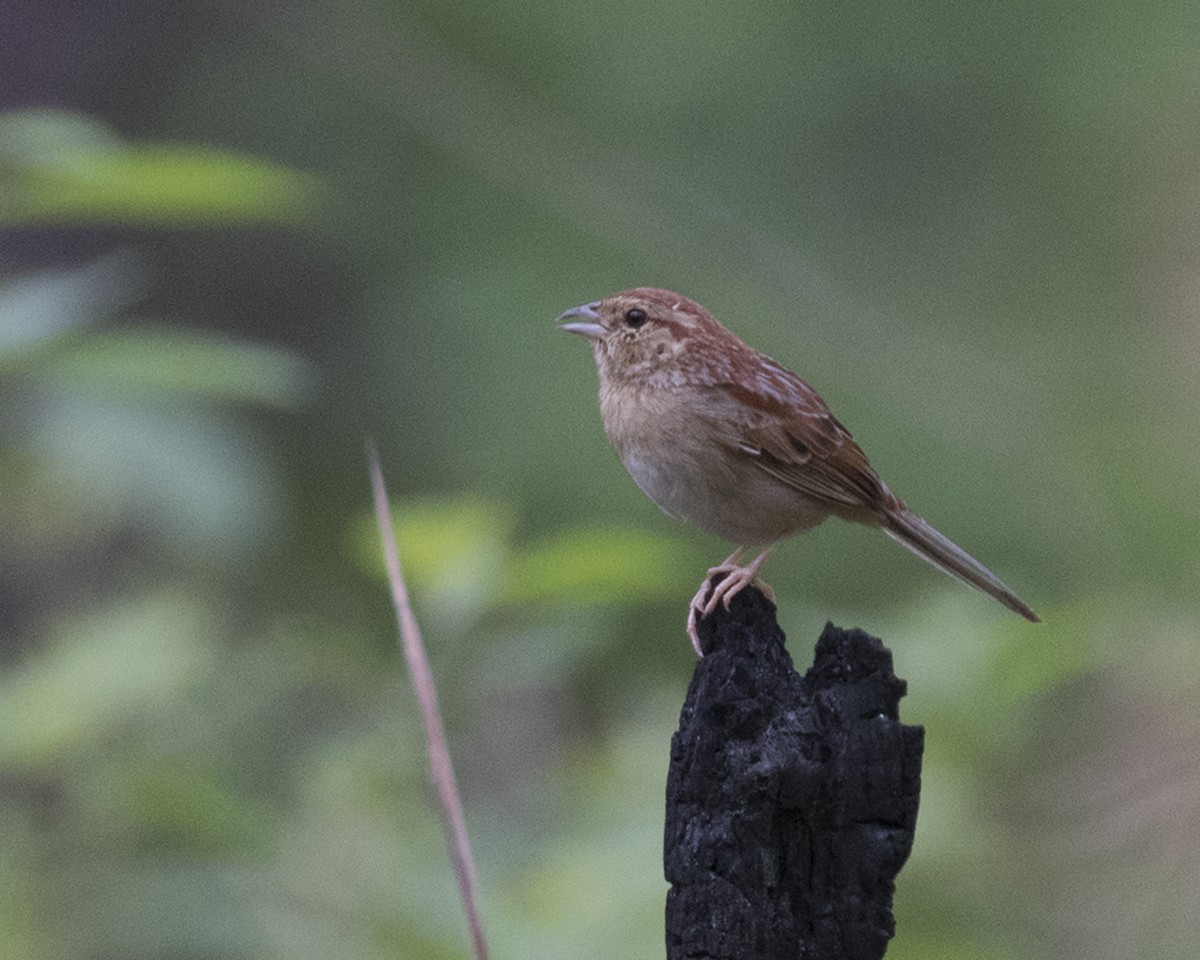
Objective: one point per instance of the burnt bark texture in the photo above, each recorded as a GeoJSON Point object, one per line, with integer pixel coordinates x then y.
{"type": "Point", "coordinates": [791, 801]}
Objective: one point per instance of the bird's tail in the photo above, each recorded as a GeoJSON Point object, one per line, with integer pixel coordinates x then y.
{"type": "Point", "coordinates": [906, 528]}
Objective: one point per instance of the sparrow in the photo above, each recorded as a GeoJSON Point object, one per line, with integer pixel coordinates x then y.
{"type": "Point", "coordinates": [720, 435]}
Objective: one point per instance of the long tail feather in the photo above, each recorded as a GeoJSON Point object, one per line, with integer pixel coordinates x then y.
{"type": "Point", "coordinates": [909, 530]}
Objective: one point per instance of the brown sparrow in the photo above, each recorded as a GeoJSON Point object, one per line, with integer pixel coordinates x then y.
{"type": "Point", "coordinates": [719, 434]}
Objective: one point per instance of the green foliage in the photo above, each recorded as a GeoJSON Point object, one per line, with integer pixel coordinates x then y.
{"type": "Point", "coordinates": [597, 565]}
{"type": "Point", "coordinates": [64, 168]}
{"type": "Point", "coordinates": [101, 670]}
{"type": "Point", "coordinates": [460, 550]}
{"type": "Point", "coordinates": [453, 550]}
{"type": "Point", "coordinates": [166, 364]}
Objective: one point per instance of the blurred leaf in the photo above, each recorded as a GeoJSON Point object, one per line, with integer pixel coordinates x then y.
{"type": "Point", "coordinates": [187, 805]}
{"type": "Point", "coordinates": [597, 565]}
{"type": "Point", "coordinates": [63, 169]}
{"type": "Point", "coordinates": [39, 137]}
{"type": "Point", "coordinates": [454, 551]}
{"type": "Point", "coordinates": [101, 669]}
{"type": "Point", "coordinates": [38, 307]}
{"type": "Point", "coordinates": [193, 481]}
{"type": "Point", "coordinates": [150, 360]}
{"type": "Point", "coordinates": [439, 538]}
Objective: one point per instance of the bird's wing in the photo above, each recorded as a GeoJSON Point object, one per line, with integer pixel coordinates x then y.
{"type": "Point", "coordinates": [792, 435]}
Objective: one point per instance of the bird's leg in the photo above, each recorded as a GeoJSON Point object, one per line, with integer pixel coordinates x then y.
{"type": "Point", "coordinates": [697, 607]}
{"type": "Point", "coordinates": [736, 578]}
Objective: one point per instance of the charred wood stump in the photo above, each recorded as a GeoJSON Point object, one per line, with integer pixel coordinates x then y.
{"type": "Point", "coordinates": [791, 801]}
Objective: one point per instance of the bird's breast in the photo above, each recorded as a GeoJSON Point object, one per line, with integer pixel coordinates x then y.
{"type": "Point", "coordinates": [685, 462]}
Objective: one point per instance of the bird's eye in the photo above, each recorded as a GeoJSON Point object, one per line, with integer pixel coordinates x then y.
{"type": "Point", "coordinates": [635, 317]}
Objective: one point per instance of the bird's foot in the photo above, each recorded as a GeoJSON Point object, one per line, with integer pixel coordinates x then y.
{"type": "Point", "coordinates": [734, 578]}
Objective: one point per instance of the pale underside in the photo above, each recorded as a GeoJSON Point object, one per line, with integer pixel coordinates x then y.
{"type": "Point", "coordinates": [748, 481]}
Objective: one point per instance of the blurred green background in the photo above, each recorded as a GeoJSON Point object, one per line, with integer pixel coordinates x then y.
{"type": "Point", "coordinates": [237, 238]}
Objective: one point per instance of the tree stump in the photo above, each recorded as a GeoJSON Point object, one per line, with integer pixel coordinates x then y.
{"type": "Point", "coordinates": [791, 801]}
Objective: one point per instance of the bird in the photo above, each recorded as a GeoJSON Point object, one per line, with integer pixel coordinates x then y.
{"type": "Point", "coordinates": [718, 434]}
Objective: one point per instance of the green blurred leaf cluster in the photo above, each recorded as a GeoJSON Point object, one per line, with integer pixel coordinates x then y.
{"type": "Point", "coordinates": [63, 168]}
{"type": "Point", "coordinates": [460, 550]}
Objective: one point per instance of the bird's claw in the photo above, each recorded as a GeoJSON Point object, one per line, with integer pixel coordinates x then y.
{"type": "Point", "coordinates": [734, 578]}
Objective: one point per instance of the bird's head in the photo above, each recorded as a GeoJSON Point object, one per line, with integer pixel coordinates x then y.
{"type": "Point", "coordinates": [646, 334]}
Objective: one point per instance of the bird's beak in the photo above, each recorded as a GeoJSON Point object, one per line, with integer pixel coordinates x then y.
{"type": "Point", "coordinates": [588, 325]}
